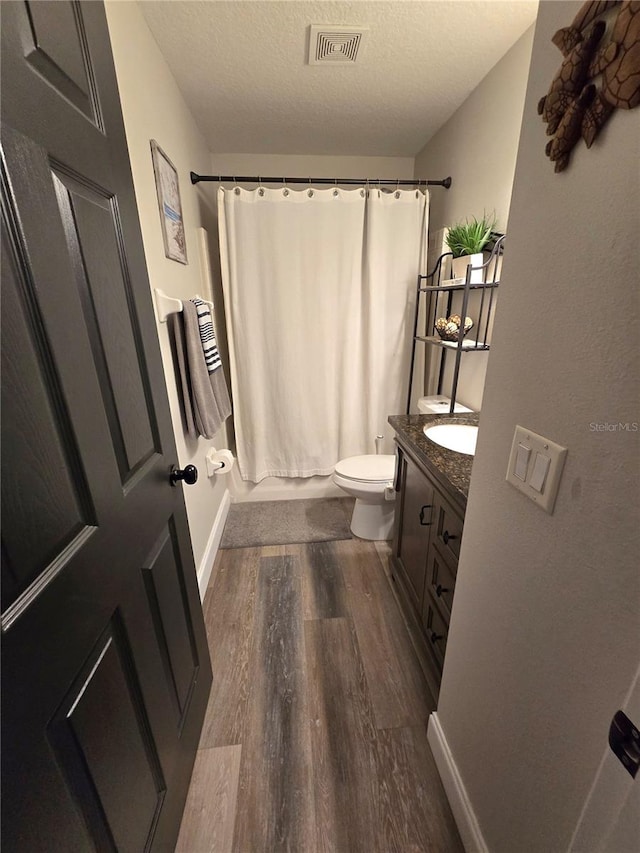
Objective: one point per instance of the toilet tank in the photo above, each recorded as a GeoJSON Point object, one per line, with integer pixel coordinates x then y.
{"type": "Point", "coordinates": [438, 405]}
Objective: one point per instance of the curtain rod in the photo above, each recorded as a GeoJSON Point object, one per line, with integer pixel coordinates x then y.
{"type": "Point", "coordinates": [195, 178]}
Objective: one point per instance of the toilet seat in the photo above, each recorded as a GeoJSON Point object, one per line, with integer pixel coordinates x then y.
{"type": "Point", "coordinates": [371, 468]}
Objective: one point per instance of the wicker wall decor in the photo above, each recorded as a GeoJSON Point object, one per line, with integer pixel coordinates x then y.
{"type": "Point", "coordinates": [576, 106]}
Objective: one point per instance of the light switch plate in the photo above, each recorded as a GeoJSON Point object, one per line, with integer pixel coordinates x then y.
{"type": "Point", "coordinates": [537, 444]}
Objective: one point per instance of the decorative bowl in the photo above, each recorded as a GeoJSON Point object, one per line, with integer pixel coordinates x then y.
{"type": "Point", "coordinates": [451, 328]}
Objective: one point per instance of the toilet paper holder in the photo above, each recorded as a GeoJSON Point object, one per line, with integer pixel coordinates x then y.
{"type": "Point", "coordinates": [218, 461]}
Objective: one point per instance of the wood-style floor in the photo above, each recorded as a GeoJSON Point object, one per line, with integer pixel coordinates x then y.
{"type": "Point", "coordinates": [315, 734]}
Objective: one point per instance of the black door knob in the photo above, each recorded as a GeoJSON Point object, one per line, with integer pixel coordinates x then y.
{"type": "Point", "coordinates": [189, 474]}
{"type": "Point", "coordinates": [448, 537]}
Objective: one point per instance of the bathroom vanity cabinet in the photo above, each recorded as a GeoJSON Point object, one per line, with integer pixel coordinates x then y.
{"type": "Point", "coordinates": [428, 527]}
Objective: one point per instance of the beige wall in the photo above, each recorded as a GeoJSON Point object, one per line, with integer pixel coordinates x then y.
{"type": "Point", "coordinates": [479, 143]}
{"type": "Point", "coordinates": [544, 633]}
{"type": "Point", "coordinates": [154, 109]}
{"type": "Point", "coordinates": [478, 147]}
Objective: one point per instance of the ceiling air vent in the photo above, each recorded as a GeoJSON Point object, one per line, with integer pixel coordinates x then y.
{"type": "Point", "coordinates": [335, 45]}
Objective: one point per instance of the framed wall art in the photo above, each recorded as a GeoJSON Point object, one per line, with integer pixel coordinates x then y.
{"type": "Point", "coordinates": [175, 245]}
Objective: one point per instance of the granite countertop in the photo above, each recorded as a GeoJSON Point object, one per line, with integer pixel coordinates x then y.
{"type": "Point", "coordinates": [451, 468]}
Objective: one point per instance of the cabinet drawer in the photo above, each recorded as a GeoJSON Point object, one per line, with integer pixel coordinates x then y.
{"type": "Point", "coordinates": [441, 580]}
{"type": "Point", "coordinates": [447, 528]}
{"type": "Point", "coordinates": [435, 629]}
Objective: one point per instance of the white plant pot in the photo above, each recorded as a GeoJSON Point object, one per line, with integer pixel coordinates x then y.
{"type": "Point", "coordinates": [491, 273]}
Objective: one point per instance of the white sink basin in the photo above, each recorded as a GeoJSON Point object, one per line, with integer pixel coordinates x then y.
{"type": "Point", "coordinates": [459, 437]}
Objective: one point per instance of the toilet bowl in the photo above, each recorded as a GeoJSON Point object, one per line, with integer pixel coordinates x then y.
{"type": "Point", "coordinates": [370, 480]}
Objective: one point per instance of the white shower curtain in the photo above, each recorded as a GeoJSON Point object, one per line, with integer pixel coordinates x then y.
{"type": "Point", "coordinates": [319, 289]}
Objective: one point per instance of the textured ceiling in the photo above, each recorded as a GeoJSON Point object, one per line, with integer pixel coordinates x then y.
{"type": "Point", "coordinates": [242, 68]}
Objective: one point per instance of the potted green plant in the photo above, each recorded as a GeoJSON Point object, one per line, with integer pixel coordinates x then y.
{"type": "Point", "coordinates": [467, 240]}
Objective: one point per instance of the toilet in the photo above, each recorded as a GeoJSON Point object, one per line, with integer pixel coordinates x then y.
{"type": "Point", "coordinates": [369, 479]}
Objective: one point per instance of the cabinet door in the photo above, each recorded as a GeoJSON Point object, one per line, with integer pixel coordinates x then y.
{"type": "Point", "coordinates": [417, 515]}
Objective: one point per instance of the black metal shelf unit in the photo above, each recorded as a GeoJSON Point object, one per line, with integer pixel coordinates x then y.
{"type": "Point", "coordinates": [434, 299]}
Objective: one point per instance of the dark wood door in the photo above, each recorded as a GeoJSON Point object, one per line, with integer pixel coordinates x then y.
{"type": "Point", "coordinates": [105, 669]}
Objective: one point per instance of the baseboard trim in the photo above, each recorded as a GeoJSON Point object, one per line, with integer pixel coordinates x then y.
{"type": "Point", "coordinates": [213, 543]}
{"type": "Point", "coordinates": [463, 812]}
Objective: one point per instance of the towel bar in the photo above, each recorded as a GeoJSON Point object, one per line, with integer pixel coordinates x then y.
{"type": "Point", "coordinates": [166, 305]}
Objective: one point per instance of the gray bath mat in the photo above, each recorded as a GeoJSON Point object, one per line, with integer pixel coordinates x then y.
{"type": "Point", "coordinates": [287, 522]}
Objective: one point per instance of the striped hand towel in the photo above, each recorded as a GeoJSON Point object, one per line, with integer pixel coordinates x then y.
{"type": "Point", "coordinates": [207, 336]}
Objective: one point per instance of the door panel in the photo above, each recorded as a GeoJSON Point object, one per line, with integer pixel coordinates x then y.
{"type": "Point", "coordinates": [101, 727]}
{"type": "Point", "coordinates": [169, 608]}
{"type": "Point", "coordinates": [105, 663]}
{"type": "Point", "coordinates": [91, 230]}
{"type": "Point", "coordinates": [57, 50]}
{"type": "Point", "coordinates": [42, 514]}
